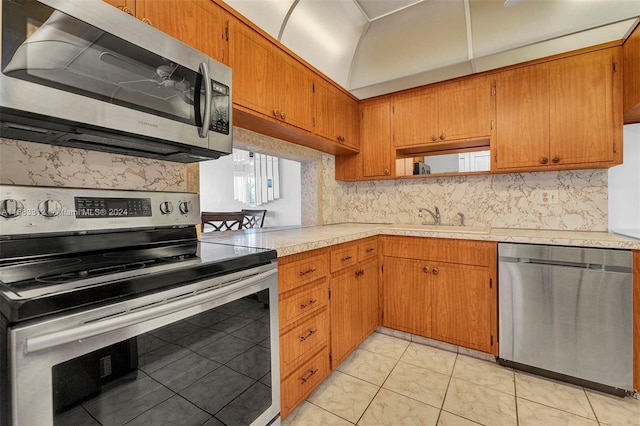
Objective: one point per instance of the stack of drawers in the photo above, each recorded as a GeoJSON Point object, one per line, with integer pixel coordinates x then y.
{"type": "Point", "coordinates": [303, 287]}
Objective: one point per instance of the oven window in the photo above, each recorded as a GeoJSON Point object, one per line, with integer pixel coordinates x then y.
{"type": "Point", "coordinates": [216, 364]}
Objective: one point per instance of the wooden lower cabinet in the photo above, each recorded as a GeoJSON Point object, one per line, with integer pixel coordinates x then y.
{"type": "Point", "coordinates": [298, 385]}
{"type": "Point", "coordinates": [405, 296]}
{"type": "Point", "coordinates": [354, 309]}
{"type": "Point", "coordinates": [441, 289]}
{"type": "Point", "coordinates": [303, 286]}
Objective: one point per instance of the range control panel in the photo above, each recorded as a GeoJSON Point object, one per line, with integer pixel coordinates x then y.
{"type": "Point", "coordinates": [34, 210]}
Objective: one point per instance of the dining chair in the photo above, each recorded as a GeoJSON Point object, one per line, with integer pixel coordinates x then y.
{"type": "Point", "coordinates": [253, 218]}
{"type": "Point", "coordinates": [223, 221]}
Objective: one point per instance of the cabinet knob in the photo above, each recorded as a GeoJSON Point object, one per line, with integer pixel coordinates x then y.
{"type": "Point", "coordinates": [442, 137]}
{"type": "Point", "coordinates": [146, 21]}
{"type": "Point", "coordinates": [555, 159]}
{"type": "Point", "coordinates": [425, 269]}
{"type": "Point", "coordinates": [282, 114]}
{"type": "Point", "coordinates": [434, 138]}
{"type": "Point", "coordinates": [544, 160]}
{"type": "Point", "coordinates": [435, 271]}
{"type": "Point", "coordinates": [276, 112]}
{"type": "Point", "coordinates": [126, 10]}
{"type": "Point", "coordinates": [387, 172]}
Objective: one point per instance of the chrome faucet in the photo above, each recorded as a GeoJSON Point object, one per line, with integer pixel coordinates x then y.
{"type": "Point", "coordinates": [461, 218]}
{"type": "Point", "coordinates": [436, 216]}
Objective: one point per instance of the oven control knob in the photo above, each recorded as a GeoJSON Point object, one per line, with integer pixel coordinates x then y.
{"type": "Point", "coordinates": [10, 208]}
{"type": "Point", "coordinates": [185, 207]}
{"type": "Point", "coordinates": [166, 207]}
{"type": "Point", "coordinates": [49, 208]}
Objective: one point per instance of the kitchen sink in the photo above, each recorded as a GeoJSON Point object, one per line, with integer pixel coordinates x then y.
{"type": "Point", "coordinates": [441, 228]}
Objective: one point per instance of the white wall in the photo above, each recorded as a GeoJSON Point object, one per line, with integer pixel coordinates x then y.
{"type": "Point", "coordinates": [624, 185]}
{"type": "Point", "coordinates": [216, 191]}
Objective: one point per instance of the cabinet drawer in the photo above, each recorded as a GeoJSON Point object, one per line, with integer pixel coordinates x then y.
{"type": "Point", "coordinates": [344, 257]}
{"type": "Point", "coordinates": [438, 249]}
{"type": "Point", "coordinates": [304, 380]}
{"type": "Point", "coordinates": [367, 250]}
{"type": "Point", "coordinates": [303, 271]}
{"type": "Point", "coordinates": [304, 302]}
{"type": "Point", "coordinates": [304, 340]}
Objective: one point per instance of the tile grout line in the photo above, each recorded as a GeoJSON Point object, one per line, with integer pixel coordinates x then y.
{"type": "Point", "coordinates": [447, 389]}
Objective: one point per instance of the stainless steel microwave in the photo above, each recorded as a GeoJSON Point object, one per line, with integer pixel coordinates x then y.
{"type": "Point", "coordinates": [84, 74]}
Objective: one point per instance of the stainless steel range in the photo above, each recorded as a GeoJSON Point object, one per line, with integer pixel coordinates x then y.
{"type": "Point", "coordinates": [112, 312]}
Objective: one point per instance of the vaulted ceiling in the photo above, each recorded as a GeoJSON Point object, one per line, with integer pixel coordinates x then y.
{"type": "Point", "coordinates": [371, 47]}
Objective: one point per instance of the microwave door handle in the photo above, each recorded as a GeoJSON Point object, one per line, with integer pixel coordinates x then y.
{"type": "Point", "coordinates": [206, 121]}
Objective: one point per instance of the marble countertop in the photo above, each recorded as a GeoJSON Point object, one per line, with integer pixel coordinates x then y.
{"type": "Point", "coordinates": [291, 240]}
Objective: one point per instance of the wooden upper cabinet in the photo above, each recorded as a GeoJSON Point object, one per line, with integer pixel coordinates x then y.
{"type": "Point", "coordinates": [375, 136]}
{"type": "Point", "coordinates": [464, 109]}
{"type": "Point", "coordinates": [454, 111]}
{"type": "Point", "coordinates": [561, 114]}
{"type": "Point", "coordinates": [185, 20]}
{"type": "Point", "coordinates": [253, 67]}
{"type": "Point", "coordinates": [581, 108]}
{"type": "Point", "coordinates": [415, 118]}
{"type": "Point", "coordinates": [268, 80]}
{"type": "Point", "coordinates": [522, 117]}
{"type": "Point", "coordinates": [631, 50]}
{"type": "Point", "coordinates": [294, 92]}
{"type": "Point", "coordinates": [336, 116]}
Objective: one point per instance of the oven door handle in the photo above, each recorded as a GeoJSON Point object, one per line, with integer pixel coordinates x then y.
{"type": "Point", "coordinates": [85, 331]}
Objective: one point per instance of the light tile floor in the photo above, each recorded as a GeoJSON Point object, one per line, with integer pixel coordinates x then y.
{"type": "Point", "coordinates": [391, 381]}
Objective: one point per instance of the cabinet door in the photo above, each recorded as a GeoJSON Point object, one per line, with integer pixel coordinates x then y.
{"type": "Point", "coordinates": [375, 134]}
{"type": "Point", "coordinates": [344, 315]}
{"type": "Point", "coordinates": [253, 67]}
{"type": "Point", "coordinates": [326, 106]}
{"type": "Point", "coordinates": [522, 118]}
{"type": "Point", "coordinates": [415, 118]}
{"type": "Point", "coordinates": [349, 122]}
{"type": "Point", "coordinates": [461, 305]}
{"type": "Point", "coordinates": [296, 100]}
{"type": "Point", "coordinates": [202, 16]}
{"type": "Point", "coordinates": [464, 110]}
{"type": "Point", "coordinates": [581, 125]}
{"type": "Point", "coordinates": [367, 320]}
{"type": "Point", "coordinates": [406, 296]}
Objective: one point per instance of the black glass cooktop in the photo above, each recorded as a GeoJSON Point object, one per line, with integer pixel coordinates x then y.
{"type": "Point", "coordinates": [37, 287]}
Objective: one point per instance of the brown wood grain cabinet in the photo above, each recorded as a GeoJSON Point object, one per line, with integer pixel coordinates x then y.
{"type": "Point", "coordinates": [631, 51]}
{"type": "Point", "coordinates": [336, 114]}
{"type": "Point", "coordinates": [375, 139]}
{"type": "Point", "coordinates": [303, 298]}
{"type": "Point", "coordinates": [441, 289]}
{"type": "Point", "coordinates": [448, 112]}
{"type": "Point", "coordinates": [560, 115]}
{"type": "Point", "coordinates": [354, 296]}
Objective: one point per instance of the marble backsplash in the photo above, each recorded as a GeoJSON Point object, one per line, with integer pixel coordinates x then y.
{"type": "Point", "coordinates": [34, 164]}
{"type": "Point", "coordinates": [501, 201]}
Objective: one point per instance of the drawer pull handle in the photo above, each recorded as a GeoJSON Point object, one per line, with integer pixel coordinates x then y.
{"type": "Point", "coordinates": [306, 305]}
{"type": "Point", "coordinates": [304, 380]}
{"type": "Point", "coordinates": [435, 271]}
{"type": "Point", "coordinates": [309, 334]}
{"type": "Point", "coordinates": [344, 259]}
{"type": "Point", "coordinates": [425, 269]}
{"type": "Point", "coordinates": [308, 271]}
{"type": "Point", "coordinates": [370, 249]}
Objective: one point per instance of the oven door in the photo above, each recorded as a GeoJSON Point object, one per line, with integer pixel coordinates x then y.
{"type": "Point", "coordinates": [185, 356]}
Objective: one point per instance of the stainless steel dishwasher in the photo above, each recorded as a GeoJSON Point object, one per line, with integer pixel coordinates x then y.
{"type": "Point", "coordinates": [567, 313]}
